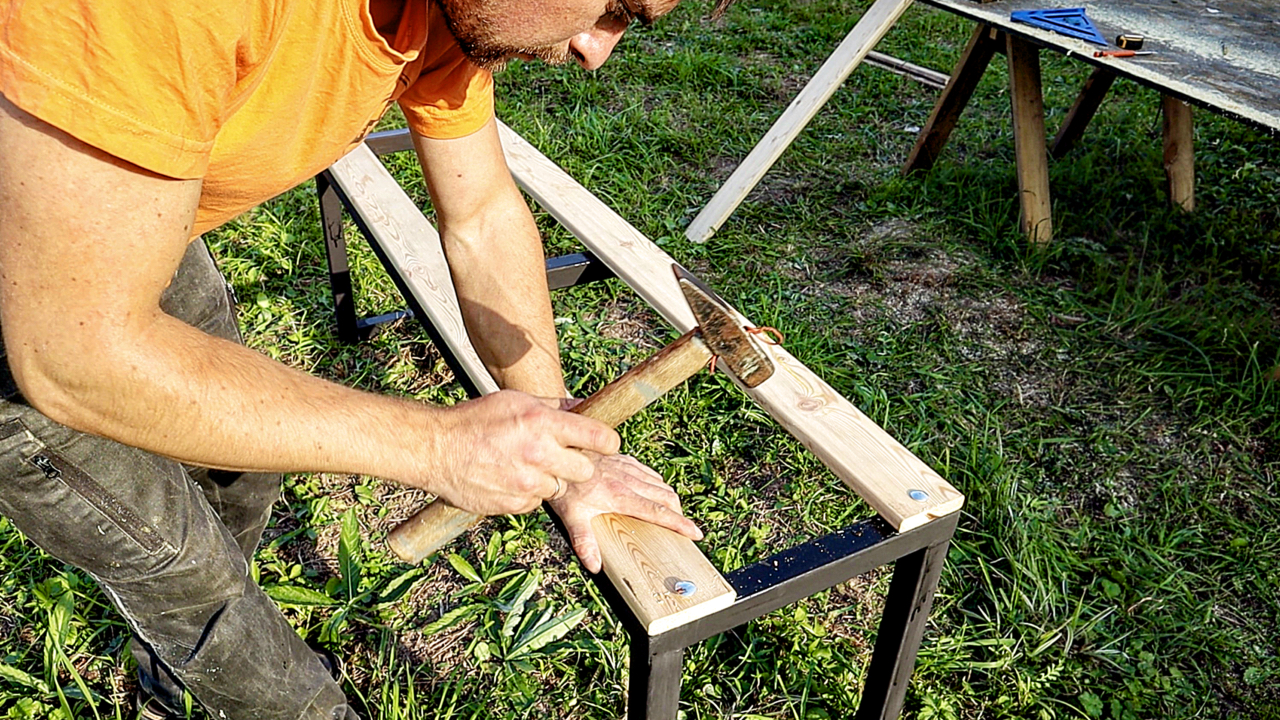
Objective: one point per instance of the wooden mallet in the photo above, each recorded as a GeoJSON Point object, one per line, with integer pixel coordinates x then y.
{"type": "Point", "coordinates": [718, 334]}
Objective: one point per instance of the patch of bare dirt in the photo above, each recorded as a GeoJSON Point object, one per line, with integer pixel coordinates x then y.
{"type": "Point", "coordinates": [854, 608]}
{"type": "Point", "coordinates": [631, 321]}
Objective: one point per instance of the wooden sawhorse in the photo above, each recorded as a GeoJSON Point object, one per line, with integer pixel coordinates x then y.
{"type": "Point", "coordinates": [1240, 81]}
{"type": "Point", "coordinates": [917, 509]}
{"type": "Point", "coordinates": [1027, 101]}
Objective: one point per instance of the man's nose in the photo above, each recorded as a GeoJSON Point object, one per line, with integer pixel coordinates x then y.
{"type": "Point", "coordinates": [592, 48]}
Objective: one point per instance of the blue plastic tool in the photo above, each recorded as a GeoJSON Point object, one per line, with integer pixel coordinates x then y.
{"type": "Point", "coordinates": [1068, 21]}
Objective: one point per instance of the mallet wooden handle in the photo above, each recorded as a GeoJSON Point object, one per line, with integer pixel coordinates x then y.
{"type": "Point", "coordinates": [438, 523]}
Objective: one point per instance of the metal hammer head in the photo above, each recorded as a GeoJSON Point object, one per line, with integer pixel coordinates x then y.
{"type": "Point", "coordinates": [722, 333]}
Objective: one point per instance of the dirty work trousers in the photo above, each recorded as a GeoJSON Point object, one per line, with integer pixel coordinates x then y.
{"type": "Point", "coordinates": [168, 544]}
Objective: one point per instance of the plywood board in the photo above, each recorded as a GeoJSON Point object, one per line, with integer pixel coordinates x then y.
{"type": "Point", "coordinates": [1223, 55]}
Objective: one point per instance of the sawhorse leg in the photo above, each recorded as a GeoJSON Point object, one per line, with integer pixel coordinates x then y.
{"type": "Point", "coordinates": [654, 682]}
{"type": "Point", "coordinates": [906, 611]}
{"type": "Point", "coordinates": [1179, 157]}
{"type": "Point", "coordinates": [790, 576]}
{"type": "Point", "coordinates": [1028, 121]}
{"type": "Point", "coordinates": [964, 80]}
{"type": "Point", "coordinates": [335, 250]}
{"type": "Point", "coordinates": [1028, 139]}
{"type": "Point", "coordinates": [1086, 106]}
{"type": "Point", "coordinates": [1179, 153]}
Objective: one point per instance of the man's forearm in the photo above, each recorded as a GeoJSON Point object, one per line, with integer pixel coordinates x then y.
{"type": "Point", "coordinates": [203, 400]}
{"type": "Point", "coordinates": [500, 276]}
{"type": "Point", "coordinates": [495, 257]}
{"type": "Point", "coordinates": [200, 399]}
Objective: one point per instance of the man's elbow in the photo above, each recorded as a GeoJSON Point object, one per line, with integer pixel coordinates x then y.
{"type": "Point", "coordinates": [61, 390]}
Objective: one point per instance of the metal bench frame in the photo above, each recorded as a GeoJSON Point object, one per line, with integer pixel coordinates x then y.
{"type": "Point", "coordinates": [784, 578]}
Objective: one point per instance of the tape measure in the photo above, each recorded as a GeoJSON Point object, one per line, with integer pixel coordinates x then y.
{"type": "Point", "coordinates": [1130, 42]}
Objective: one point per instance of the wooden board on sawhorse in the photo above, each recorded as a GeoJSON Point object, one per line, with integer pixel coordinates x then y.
{"type": "Point", "coordinates": [1225, 60]}
{"type": "Point", "coordinates": [1027, 106]}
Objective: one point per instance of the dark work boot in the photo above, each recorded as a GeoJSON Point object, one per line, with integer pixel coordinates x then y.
{"type": "Point", "coordinates": [160, 695]}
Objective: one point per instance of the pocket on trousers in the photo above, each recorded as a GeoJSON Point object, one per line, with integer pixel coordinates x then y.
{"type": "Point", "coordinates": [71, 515]}
{"type": "Point", "coordinates": [56, 467]}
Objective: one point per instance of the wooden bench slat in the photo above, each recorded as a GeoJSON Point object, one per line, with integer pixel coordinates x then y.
{"type": "Point", "coordinates": [874, 23]}
{"type": "Point", "coordinates": [643, 561]}
{"type": "Point", "coordinates": [412, 246]}
{"type": "Point", "coordinates": [879, 468]}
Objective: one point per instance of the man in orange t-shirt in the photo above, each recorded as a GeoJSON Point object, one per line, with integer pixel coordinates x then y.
{"type": "Point", "coordinates": [139, 440]}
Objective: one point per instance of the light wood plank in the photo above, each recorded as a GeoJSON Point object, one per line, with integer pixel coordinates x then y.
{"type": "Point", "coordinates": [951, 104]}
{"type": "Point", "coordinates": [643, 560]}
{"type": "Point", "coordinates": [412, 247]}
{"type": "Point", "coordinates": [645, 563]}
{"type": "Point", "coordinates": [1179, 153]}
{"type": "Point", "coordinates": [880, 469]}
{"type": "Point", "coordinates": [1029, 140]}
{"type": "Point", "coordinates": [875, 22]}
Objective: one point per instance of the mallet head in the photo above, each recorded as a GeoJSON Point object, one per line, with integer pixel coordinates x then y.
{"type": "Point", "coordinates": [723, 333]}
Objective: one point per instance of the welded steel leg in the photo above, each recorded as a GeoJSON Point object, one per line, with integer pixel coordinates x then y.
{"type": "Point", "coordinates": [335, 249]}
{"type": "Point", "coordinates": [906, 610]}
{"type": "Point", "coordinates": [654, 682]}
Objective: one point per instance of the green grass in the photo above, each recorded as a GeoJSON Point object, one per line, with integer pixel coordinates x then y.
{"type": "Point", "coordinates": [1108, 406]}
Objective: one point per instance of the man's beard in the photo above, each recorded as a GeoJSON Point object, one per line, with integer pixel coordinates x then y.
{"type": "Point", "coordinates": [471, 30]}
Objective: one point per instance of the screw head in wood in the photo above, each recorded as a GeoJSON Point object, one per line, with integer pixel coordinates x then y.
{"type": "Point", "coordinates": [918, 495]}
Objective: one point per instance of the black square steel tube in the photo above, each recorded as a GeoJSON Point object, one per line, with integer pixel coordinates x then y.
{"type": "Point", "coordinates": [806, 569]}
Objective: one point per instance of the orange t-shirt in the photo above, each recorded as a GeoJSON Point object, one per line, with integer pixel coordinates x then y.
{"type": "Point", "coordinates": [253, 96]}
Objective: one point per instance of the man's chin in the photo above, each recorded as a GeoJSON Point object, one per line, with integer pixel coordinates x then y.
{"type": "Point", "coordinates": [493, 65]}
{"type": "Point", "coordinates": [497, 62]}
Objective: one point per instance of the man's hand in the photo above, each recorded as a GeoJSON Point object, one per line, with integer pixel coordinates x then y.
{"type": "Point", "coordinates": [621, 484]}
{"type": "Point", "coordinates": [502, 454]}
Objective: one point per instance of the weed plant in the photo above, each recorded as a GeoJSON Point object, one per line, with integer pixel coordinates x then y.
{"type": "Point", "coordinates": [1108, 406]}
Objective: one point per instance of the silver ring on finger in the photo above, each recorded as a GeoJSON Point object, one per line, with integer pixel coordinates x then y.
{"type": "Point", "coordinates": [559, 490]}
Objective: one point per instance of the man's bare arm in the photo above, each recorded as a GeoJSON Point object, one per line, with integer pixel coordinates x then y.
{"type": "Point", "coordinates": [496, 258]}
{"type": "Point", "coordinates": [87, 245]}
{"type": "Point", "coordinates": [499, 271]}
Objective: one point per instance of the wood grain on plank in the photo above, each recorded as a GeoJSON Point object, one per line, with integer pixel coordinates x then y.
{"type": "Point", "coordinates": [875, 22]}
{"type": "Point", "coordinates": [413, 248]}
{"type": "Point", "coordinates": [879, 468]}
{"type": "Point", "coordinates": [649, 564]}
